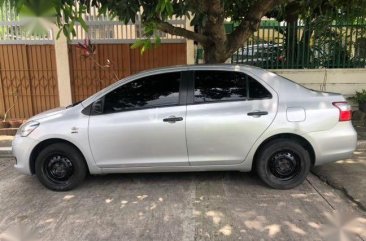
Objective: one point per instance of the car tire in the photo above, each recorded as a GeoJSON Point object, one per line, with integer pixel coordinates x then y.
{"type": "Point", "coordinates": [60, 167]}
{"type": "Point", "coordinates": [283, 164]}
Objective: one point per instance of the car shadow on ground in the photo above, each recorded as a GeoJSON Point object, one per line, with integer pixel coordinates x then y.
{"type": "Point", "coordinates": [172, 178]}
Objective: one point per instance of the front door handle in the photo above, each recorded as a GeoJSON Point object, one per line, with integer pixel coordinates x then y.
{"type": "Point", "coordinates": [257, 113]}
{"type": "Point", "coordinates": [172, 119]}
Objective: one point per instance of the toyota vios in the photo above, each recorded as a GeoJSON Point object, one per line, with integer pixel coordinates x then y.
{"type": "Point", "coordinates": [190, 118]}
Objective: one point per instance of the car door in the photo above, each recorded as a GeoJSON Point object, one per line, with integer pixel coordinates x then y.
{"type": "Point", "coordinates": [226, 113]}
{"type": "Point", "coordinates": [141, 124]}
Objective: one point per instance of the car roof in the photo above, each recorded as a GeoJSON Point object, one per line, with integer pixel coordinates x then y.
{"type": "Point", "coordinates": [228, 67]}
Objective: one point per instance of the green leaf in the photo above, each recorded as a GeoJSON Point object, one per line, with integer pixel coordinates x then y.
{"type": "Point", "coordinates": [143, 49]}
{"type": "Point", "coordinates": [144, 44]}
{"type": "Point", "coordinates": [157, 40]}
{"type": "Point", "coordinates": [169, 8]}
{"type": "Point", "coordinates": [160, 6]}
{"type": "Point", "coordinates": [83, 24]}
{"type": "Point", "coordinates": [138, 44]}
{"type": "Point", "coordinates": [59, 33]}
{"type": "Point", "coordinates": [66, 31]}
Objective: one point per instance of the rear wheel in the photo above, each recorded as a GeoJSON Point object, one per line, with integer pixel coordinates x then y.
{"type": "Point", "coordinates": [60, 167]}
{"type": "Point", "coordinates": [283, 164]}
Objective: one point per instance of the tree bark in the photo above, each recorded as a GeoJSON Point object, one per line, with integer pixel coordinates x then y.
{"type": "Point", "coordinates": [304, 45]}
{"type": "Point", "coordinates": [214, 48]}
{"type": "Point", "coordinates": [171, 29]}
{"type": "Point", "coordinates": [291, 44]}
{"type": "Point", "coordinates": [217, 45]}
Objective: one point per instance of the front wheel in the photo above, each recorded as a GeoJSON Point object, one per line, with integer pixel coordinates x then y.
{"type": "Point", "coordinates": [60, 167]}
{"type": "Point", "coordinates": [283, 164]}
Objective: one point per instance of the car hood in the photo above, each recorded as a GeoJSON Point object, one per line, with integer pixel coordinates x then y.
{"type": "Point", "coordinates": [48, 113]}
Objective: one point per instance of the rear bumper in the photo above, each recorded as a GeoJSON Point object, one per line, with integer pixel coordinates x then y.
{"type": "Point", "coordinates": [22, 148]}
{"type": "Point", "coordinates": [334, 144]}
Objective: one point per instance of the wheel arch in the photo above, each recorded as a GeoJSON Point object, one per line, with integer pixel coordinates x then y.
{"type": "Point", "coordinates": [301, 140]}
{"type": "Point", "coordinates": [43, 144]}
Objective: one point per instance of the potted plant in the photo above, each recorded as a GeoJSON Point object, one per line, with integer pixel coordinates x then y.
{"type": "Point", "coordinates": [15, 123]}
{"type": "Point", "coordinates": [4, 124]}
{"type": "Point", "coordinates": [360, 98]}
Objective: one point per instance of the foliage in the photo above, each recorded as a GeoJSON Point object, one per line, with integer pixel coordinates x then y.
{"type": "Point", "coordinates": [87, 47]}
{"type": "Point", "coordinates": [208, 17]}
{"type": "Point", "coordinates": [89, 51]}
{"type": "Point", "coordinates": [359, 97]}
{"type": "Point", "coordinates": [320, 33]}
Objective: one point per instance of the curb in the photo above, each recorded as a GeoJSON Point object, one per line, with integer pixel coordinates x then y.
{"type": "Point", "coordinates": [361, 142]}
{"type": "Point", "coordinates": [6, 152]}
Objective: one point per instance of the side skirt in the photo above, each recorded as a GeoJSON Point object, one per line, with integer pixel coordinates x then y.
{"type": "Point", "coordinates": [242, 168]}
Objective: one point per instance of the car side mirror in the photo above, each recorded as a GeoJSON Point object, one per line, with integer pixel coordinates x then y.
{"type": "Point", "coordinates": [97, 107]}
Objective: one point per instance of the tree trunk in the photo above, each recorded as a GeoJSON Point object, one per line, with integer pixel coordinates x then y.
{"type": "Point", "coordinates": [213, 56]}
{"type": "Point", "coordinates": [292, 13]}
{"type": "Point", "coordinates": [217, 45]}
{"type": "Point", "coordinates": [214, 29]}
{"type": "Point", "coordinates": [304, 45]}
{"type": "Point", "coordinates": [291, 44]}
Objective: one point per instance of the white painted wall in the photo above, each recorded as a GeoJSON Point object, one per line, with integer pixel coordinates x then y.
{"type": "Point", "coordinates": [344, 81]}
{"type": "Point", "coordinates": [190, 43]}
{"type": "Point", "coordinates": [63, 69]}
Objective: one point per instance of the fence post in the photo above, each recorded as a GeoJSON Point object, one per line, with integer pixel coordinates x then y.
{"type": "Point", "coordinates": [63, 69]}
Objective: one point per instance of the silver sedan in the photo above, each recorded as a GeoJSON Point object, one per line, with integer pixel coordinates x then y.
{"type": "Point", "coordinates": [190, 118]}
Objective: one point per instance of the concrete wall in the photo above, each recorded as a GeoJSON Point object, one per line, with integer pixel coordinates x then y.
{"type": "Point", "coordinates": [190, 43]}
{"type": "Point", "coordinates": [344, 81]}
{"type": "Point", "coordinates": [63, 69]}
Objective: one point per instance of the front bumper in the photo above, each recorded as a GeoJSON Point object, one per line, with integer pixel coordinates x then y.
{"type": "Point", "coordinates": [22, 149]}
{"type": "Point", "coordinates": [334, 144]}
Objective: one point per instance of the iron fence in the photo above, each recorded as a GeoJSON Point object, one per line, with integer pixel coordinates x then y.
{"type": "Point", "coordinates": [338, 43]}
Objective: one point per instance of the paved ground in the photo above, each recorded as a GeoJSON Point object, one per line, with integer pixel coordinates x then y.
{"type": "Point", "coordinates": [348, 175]}
{"type": "Point", "coordinates": [184, 206]}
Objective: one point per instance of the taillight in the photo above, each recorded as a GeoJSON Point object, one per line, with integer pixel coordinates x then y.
{"type": "Point", "coordinates": [345, 111]}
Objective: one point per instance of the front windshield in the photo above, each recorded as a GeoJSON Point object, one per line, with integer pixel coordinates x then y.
{"type": "Point", "coordinates": [106, 89]}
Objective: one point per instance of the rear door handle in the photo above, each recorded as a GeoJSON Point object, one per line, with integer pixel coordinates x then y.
{"type": "Point", "coordinates": [172, 119]}
{"type": "Point", "coordinates": [257, 113]}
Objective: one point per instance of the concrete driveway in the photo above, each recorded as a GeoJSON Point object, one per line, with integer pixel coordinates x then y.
{"type": "Point", "coordinates": [183, 206]}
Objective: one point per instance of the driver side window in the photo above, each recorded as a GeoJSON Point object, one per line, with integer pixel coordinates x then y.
{"type": "Point", "coordinates": [148, 92]}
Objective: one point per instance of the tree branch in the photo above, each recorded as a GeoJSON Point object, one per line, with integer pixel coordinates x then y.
{"type": "Point", "coordinates": [171, 29]}
{"type": "Point", "coordinates": [249, 24]}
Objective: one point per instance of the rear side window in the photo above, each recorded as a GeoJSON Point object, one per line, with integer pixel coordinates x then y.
{"type": "Point", "coordinates": [152, 91]}
{"type": "Point", "coordinates": [257, 91]}
{"type": "Point", "coordinates": [214, 86]}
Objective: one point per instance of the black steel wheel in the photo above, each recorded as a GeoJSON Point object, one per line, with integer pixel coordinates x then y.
{"type": "Point", "coordinates": [283, 164]}
{"type": "Point", "coordinates": [60, 167]}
